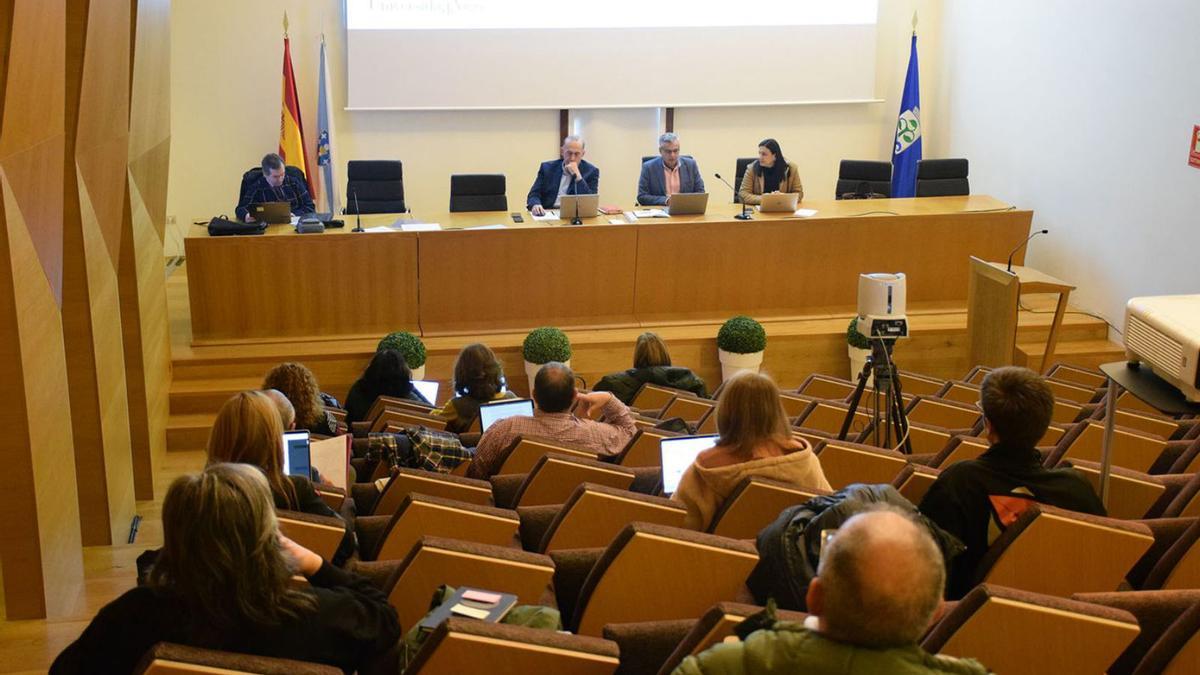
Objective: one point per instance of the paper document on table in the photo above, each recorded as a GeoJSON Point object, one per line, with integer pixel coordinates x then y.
{"type": "Point", "coordinates": [616, 221]}
{"type": "Point", "coordinates": [551, 214]}
{"type": "Point", "coordinates": [495, 226]}
{"type": "Point", "coordinates": [420, 227]}
{"type": "Point", "coordinates": [379, 228]}
{"type": "Point", "coordinates": [331, 457]}
{"type": "Point", "coordinates": [295, 220]}
{"type": "Point", "coordinates": [805, 213]}
{"type": "Point", "coordinates": [652, 213]}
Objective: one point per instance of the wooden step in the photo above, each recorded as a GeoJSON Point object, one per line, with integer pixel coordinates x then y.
{"type": "Point", "coordinates": [1083, 353]}
{"type": "Point", "coordinates": [189, 432]}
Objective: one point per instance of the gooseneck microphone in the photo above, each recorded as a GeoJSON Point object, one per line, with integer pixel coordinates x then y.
{"type": "Point", "coordinates": [736, 199]}
{"type": "Point", "coordinates": [1018, 248]}
{"type": "Point", "coordinates": [357, 213]}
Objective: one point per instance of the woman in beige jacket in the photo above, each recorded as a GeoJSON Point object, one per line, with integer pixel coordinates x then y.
{"type": "Point", "coordinates": [769, 173]}
{"type": "Point", "coordinates": [755, 440]}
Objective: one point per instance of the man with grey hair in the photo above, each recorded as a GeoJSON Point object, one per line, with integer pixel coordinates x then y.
{"type": "Point", "coordinates": [668, 174]}
{"type": "Point", "coordinates": [877, 590]}
{"type": "Point", "coordinates": [569, 175]}
{"type": "Point", "coordinates": [274, 185]}
{"type": "Point", "coordinates": [287, 411]}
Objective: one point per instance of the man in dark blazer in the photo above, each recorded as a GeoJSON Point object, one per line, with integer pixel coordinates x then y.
{"type": "Point", "coordinates": [567, 176]}
{"type": "Point", "coordinates": [682, 173]}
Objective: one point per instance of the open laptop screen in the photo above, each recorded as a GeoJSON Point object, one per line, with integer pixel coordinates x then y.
{"type": "Point", "coordinates": [678, 453]}
{"type": "Point", "coordinates": [297, 460]}
{"type": "Point", "coordinates": [490, 413]}
{"type": "Point", "coordinates": [428, 390]}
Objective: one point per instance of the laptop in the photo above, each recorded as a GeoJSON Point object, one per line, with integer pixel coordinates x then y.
{"type": "Point", "coordinates": [588, 205]}
{"type": "Point", "coordinates": [297, 457]}
{"type": "Point", "coordinates": [678, 453]}
{"type": "Point", "coordinates": [490, 413]}
{"type": "Point", "coordinates": [428, 390]}
{"type": "Point", "coordinates": [687, 204]}
{"type": "Point", "coordinates": [274, 213]}
{"type": "Point", "coordinates": [780, 202]}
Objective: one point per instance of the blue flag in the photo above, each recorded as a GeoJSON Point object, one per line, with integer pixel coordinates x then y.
{"type": "Point", "coordinates": [325, 139]}
{"type": "Point", "coordinates": [907, 151]}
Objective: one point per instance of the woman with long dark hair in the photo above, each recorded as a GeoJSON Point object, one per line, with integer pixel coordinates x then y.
{"type": "Point", "coordinates": [769, 173]}
{"type": "Point", "coordinates": [386, 375]}
{"type": "Point", "coordinates": [478, 379]}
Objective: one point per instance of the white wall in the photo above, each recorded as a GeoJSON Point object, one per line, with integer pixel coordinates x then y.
{"type": "Point", "coordinates": [1082, 110]}
{"type": "Point", "coordinates": [225, 80]}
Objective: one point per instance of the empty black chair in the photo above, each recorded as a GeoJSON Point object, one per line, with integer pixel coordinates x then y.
{"type": "Point", "coordinates": [255, 172]}
{"type": "Point", "coordinates": [477, 192]}
{"type": "Point", "coordinates": [942, 178]}
{"type": "Point", "coordinates": [375, 186]}
{"type": "Point", "coordinates": [740, 171]}
{"type": "Point", "coordinates": [863, 179]}
{"type": "Point", "coordinates": [647, 158]}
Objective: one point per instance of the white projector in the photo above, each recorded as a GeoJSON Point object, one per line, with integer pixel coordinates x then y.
{"type": "Point", "coordinates": [1163, 331]}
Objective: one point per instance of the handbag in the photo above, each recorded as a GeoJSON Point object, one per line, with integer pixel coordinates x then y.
{"type": "Point", "coordinates": [221, 226]}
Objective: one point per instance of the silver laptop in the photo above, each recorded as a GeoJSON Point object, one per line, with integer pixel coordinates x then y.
{"type": "Point", "coordinates": [588, 206]}
{"type": "Point", "coordinates": [428, 390]}
{"type": "Point", "coordinates": [273, 213]}
{"type": "Point", "coordinates": [490, 413]}
{"type": "Point", "coordinates": [780, 202]}
{"type": "Point", "coordinates": [687, 203]}
{"type": "Point", "coordinates": [678, 453]}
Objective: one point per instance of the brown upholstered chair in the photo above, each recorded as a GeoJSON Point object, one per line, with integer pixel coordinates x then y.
{"type": "Point", "coordinates": [708, 423]}
{"type": "Point", "coordinates": [754, 504]}
{"type": "Point", "coordinates": [392, 537]}
{"type": "Point", "coordinates": [976, 374]}
{"type": "Point", "coordinates": [1132, 494]}
{"type": "Point", "coordinates": [468, 646]}
{"type": "Point", "coordinates": [394, 421]}
{"type": "Point", "coordinates": [651, 572]}
{"type": "Point", "coordinates": [595, 514]}
{"type": "Point", "coordinates": [643, 448]}
{"type": "Point", "coordinates": [407, 481]}
{"type": "Point", "coordinates": [1131, 449]}
{"type": "Point", "coordinates": [167, 658]}
{"type": "Point", "coordinates": [1166, 428]}
{"type": "Point", "coordinates": [391, 403]}
{"type": "Point", "coordinates": [1076, 393]}
{"type": "Point", "coordinates": [827, 417]}
{"type": "Point", "coordinates": [944, 413]}
{"type": "Point", "coordinates": [1186, 502]}
{"type": "Point", "coordinates": [1155, 611]}
{"type": "Point", "coordinates": [555, 477]}
{"type": "Point", "coordinates": [826, 387]}
{"type": "Point", "coordinates": [1087, 377]}
{"type": "Point", "coordinates": [845, 463]}
{"type": "Point", "coordinates": [914, 481]}
{"type": "Point", "coordinates": [525, 451]}
{"type": "Point", "coordinates": [333, 496]}
{"type": "Point", "coordinates": [1014, 631]}
{"type": "Point", "coordinates": [320, 534]}
{"type": "Point", "coordinates": [1179, 566]}
{"type": "Point", "coordinates": [915, 384]}
{"type": "Point", "coordinates": [651, 398]}
{"type": "Point", "coordinates": [690, 408]}
{"type": "Point", "coordinates": [1177, 652]}
{"type": "Point", "coordinates": [1065, 411]}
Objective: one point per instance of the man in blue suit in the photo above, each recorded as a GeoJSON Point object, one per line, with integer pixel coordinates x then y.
{"type": "Point", "coordinates": [567, 176]}
{"type": "Point", "coordinates": [668, 174]}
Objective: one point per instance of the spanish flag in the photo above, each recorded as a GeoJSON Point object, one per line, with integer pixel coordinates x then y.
{"type": "Point", "coordinates": [291, 129]}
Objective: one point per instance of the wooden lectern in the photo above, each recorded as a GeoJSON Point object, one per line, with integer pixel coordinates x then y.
{"type": "Point", "coordinates": [993, 295]}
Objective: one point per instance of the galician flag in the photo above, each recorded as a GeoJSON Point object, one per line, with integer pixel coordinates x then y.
{"type": "Point", "coordinates": [907, 150]}
{"type": "Point", "coordinates": [291, 129]}
{"type": "Point", "coordinates": [329, 190]}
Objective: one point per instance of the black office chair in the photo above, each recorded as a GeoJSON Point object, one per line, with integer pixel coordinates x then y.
{"type": "Point", "coordinates": [378, 186]}
{"type": "Point", "coordinates": [942, 178]}
{"type": "Point", "coordinates": [255, 172]}
{"type": "Point", "coordinates": [862, 179]}
{"type": "Point", "coordinates": [740, 172]}
{"type": "Point", "coordinates": [477, 192]}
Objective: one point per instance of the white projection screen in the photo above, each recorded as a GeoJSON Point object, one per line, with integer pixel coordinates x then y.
{"type": "Point", "coordinates": [509, 54]}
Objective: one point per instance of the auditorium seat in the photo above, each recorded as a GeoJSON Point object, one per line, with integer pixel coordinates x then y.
{"type": "Point", "coordinates": [393, 420]}
{"type": "Point", "coordinates": [168, 658]}
{"type": "Point", "coordinates": [1069, 391]}
{"type": "Point", "coordinates": [942, 177]}
{"type": "Point", "coordinates": [844, 463]}
{"type": "Point", "coordinates": [1177, 652]}
{"type": "Point", "coordinates": [943, 413]}
{"type": "Point", "coordinates": [927, 440]}
{"type": "Point", "coordinates": [827, 416]}
{"type": "Point", "coordinates": [1164, 427]}
{"type": "Point", "coordinates": [374, 186]}
{"type": "Point", "coordinates": [1017, 631]}
{"type": "Point", "coordinates": [739, 170]}
{"type": "Point", "coordinates": [643, 448]}
{"type": "Point", "coordinates": [690, 409]}
{"type": "Point", "coordinates": [1166, 531]}
{"type": "Point", "coordinates": [1065, 412]}
{"type": "Point", "coordinates": [1059, 552]}
{"type": "Point", "coordinates": [524, 452]}
{"type": "Point", "coordinates": [1156, 612]}
{"type": "Point", "coordinates": [915, 384]}
{"type": "Point", "coordinates": [1186, 502]}
{"type": "Point", "coordinates": [392, 537]}
{"type": "Point", "coordinates": [914, 481]}
{"type": "Point", "coordinates": [383, 403]}
{"type": "Point", "coordinates": [320, 534]}
{"type": "Point", "coordinates": [754, 504]}
{"type": "Point", "coordinates": [827, 387]}
{"type": "Point", "coordinates": [477, 192]}
{"type": "Point", "coordinates": [1132, 494]}
{"type": "Point", "coordinates": [651, 398]}
{"type": "Point", "coordinates": [708, 423]}
{"type": "Point", "coordinates": [857, 176]}
{"type": "Point", "coordinates": [1066, 372]}
{"type": "Point", "coordinates": [554, 478]}
{"type": "Point", "coordinates": [976, 374]}
{"type": "Point", "coordinates": [408, 481]}
{"type": "Point", "coordinates": [595, 514]}
{"type": "Point", "coordinates": [1130, 449]}
{"type": "Point", "coordinates": [462, 645]}
{"type": "Point", "coordinates": [651, 572]}
{"type": "Point", "coordinates": [1179, 566]}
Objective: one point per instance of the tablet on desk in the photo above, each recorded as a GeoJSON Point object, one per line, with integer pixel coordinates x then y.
{"type": "Point", "coordinates": [678, 453]}
{"type": "Point", "coordinates": [583, 206]}
{"type": "Point", "coordinates": [490, 413]}
{"type": "Point", "coordinates": [779, 202]}
{"type": "Point", "coordinates": [687, 204]}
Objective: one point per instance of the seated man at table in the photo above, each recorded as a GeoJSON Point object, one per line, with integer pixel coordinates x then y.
{"type": "Point", "coordinates": [668, 174]}
{"type": "Point", "coordinates": [567, 176]}
{"type": "Point", "coordinates": [976, 499]}
{"type": "Point", "coordinates": [555, 395]}
{"type": "Point", "coordinates": [274, 185]}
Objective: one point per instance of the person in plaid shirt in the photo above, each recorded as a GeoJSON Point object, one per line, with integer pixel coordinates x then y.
{"type": "Point", "coordinates": [555, 395]}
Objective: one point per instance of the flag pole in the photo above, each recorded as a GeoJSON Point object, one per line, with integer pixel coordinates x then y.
{"type": "Point", "coordinates": [285, 23]}
{"type": "Point", "coordinates": [914, 22]}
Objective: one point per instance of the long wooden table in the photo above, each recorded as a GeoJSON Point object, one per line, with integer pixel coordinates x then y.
{"type": "Point", "coordinates": [469, 278]}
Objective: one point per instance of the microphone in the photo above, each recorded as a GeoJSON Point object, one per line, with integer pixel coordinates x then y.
{"type": "Point", "coordinates": [1018, 248]}
{"type": "Point", "coordinates": [357, 213]}
{"type": "Point", "coordinates": [736, 199]}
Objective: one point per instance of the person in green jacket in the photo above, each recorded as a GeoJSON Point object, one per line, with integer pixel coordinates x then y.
{"type": "Point", "coordinates": [877, 590]}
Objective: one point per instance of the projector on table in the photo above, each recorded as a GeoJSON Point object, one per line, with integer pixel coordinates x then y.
{"type": "Point", "coordinates": [1163, 332]}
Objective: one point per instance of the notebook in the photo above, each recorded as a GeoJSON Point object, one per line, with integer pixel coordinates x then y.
{"type": "Point", "coordinates": [490, 606]}
{"type": "Point", "coordinates": [490, 413]}
{"type": "Point", "coordinates": [678, 453]}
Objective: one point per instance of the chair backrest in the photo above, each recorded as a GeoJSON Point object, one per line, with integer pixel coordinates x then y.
{"type": "Point", "coordinates": [690, 408]}
{"type": "Point", "coordinates": [1156, 612]}
{"type": "Point", "coordinates": [1179, 566]}
{"type": "Point", "coordinates": [1014, 631]}
{"type": "Point", "coordinates": [827, 416]}
{"type": "Point", "coordinates": [383, 403]}
{"type": "Point", "coordinates": [856, 174]}
{"type": "Point", "coordinates": [739, 171]}
{"type": "Point", "coordinates": [962, 446]}
{"type": "Point", "coordinates": [650, 572]}
{"type": "Point", "coordinates": [717, 624]}
{"type": "Point", "coordinates": [471, 646]}
{"type": "Point", "coordinates": [1131, 494]}
{"type": "Point", "coordinates": [652, 398]}
{"type": "Point", "coordinates": [420, 515]}
{"type": "Point", "coordinates": [1178, 650]}
{"type": "Point", "coordinates": [1069, 391]}
{"type": "Point", "coordinates": [1147, 423]}
{"type": "Point", "coordinates": [976, 374]}
{"type": "Point", "coordinates": [844, 463]}
{"type": "Point", "coordinates": [525, 451]}
{"type": "Point", "coordinates": [643, 449]}
{"type": "Point", "coordinates": [554, 478]}
{"type": "Point", "coordinates": [1066, 372]}
{"type": "Point", "coordinates": [1130, 449]}
{"type": "Point", "coordinates": [320, 534]}
{"type": "Point", "coordinates": [374, 186]}
{"type": "Point", "coordinates": [408, 481]}
{"type": "Point", "coordinates": [942, 177]}
{"type": "Point", "coordinates": [595, 514]}
{"type": "Point", "coordinates": [166, 658]}
{"type": "Point", "coordinates": [477, 192]}
{"type": "Point", "coordinates": [914, 481]}
{"type": "Point", "coordinates": [916, 384]}
{"type": "Point", "coordinates": [434, 561]}
{"type": "Point", "coordinates": [1186, 502]}
{"type": "Point", "coordinates": [826, 387]}
{"type": "Point", "coordinates": [928, 439]}
{"type": "Point", "coordinates": [754, 504]}
{"type": "Point", "coordinates": [944, 413]}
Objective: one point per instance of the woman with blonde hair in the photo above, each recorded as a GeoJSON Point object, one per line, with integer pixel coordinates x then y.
{"type": "Point", "coordinates": [754, 440]}
{"type": "Point", "coordinates": [651, 364]}
{"type": "Point", "coordinates": [299, 385]}
{"type": "Point", "coordinates": [223, 581]}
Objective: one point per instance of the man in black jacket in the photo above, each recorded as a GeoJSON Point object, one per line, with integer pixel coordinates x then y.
{"type": "Point", "coordinates": [975, 500]}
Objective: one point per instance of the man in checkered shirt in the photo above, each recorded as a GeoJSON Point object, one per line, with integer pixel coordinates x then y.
{"type": "Point", "coordinates": [274, 185]}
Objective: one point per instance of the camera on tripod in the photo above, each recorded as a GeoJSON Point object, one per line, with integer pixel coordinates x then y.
{"type": "Point", "coordinates": [881, 304]}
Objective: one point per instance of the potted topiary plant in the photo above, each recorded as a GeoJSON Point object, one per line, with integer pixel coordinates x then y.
{"type": "Point", "coordinates": [411, 347]}
{"type": "Point", "coordinates": [542, 346]}
{"type": "Point", "coordinates": [740, 345]}
{"type": "Point", "coordinates": [858, 347]}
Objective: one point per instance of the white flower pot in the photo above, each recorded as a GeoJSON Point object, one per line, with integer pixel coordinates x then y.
{"type": "Point", "coordinates": [531, 370]}
{"type": "Point", "coordinates": [858, 358]}
{"type": "Point", "coordinates": [732, 364]}
{"type": "Point", "coordinates": [418, 373]}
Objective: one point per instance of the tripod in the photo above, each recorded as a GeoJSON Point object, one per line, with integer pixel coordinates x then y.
{"type": "Point", "coordinates": [887, 383]}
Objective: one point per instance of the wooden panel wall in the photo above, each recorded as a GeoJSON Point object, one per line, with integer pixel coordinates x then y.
{"type": "Point", "coordinates": [141, 273]}
{"type": "Point", "coordinates": [39, 541]}
{"type": "Point", "coordinates": [97, 109]}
